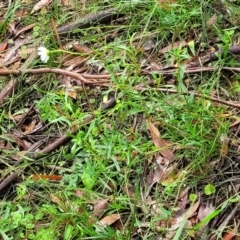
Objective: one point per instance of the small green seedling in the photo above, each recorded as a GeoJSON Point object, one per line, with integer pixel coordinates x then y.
{"type": "Point", "coordinates": [209, 189]}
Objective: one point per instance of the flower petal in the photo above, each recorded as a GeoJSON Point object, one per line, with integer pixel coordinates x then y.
{"type": "Point", "coordinates": [43, 53]}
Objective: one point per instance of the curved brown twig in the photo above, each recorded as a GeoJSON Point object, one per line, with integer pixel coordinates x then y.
{"type": "Point", "coordinates": [75, 75]}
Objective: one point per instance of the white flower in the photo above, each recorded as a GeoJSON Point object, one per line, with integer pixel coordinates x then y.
{"type": "Point", "coordinates": [43, 53]}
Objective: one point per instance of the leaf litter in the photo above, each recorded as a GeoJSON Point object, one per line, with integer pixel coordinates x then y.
{"type": "Point", "coordinates": [84, 78]}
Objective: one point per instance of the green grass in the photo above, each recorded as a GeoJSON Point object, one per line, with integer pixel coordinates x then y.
{"type": "Point", "coordinates": [108, 158]}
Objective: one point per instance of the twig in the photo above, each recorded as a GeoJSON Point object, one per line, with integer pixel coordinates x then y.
{"type": "Point", "coordinates": [47, 70]}
{"type": "Point", "coordinates": [12, 177]}
{"type": "Point", "coordinates": [89, 20]}
{"type": "Point", "coordinates": [8, 90]}
{"type": "Point", "coordinates": [24, 116]}
{"type": "Point", "coordinates": [172, 91]}
{"type": "Point", "coordinates": [56, 34]}
{"type": "Point", "coordinates": [87, 98]}
{"type": "Point", "coordinates": [211, 56]}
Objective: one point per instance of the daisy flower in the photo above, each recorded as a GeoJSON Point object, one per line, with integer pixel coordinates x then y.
{"type": "Point", "coordinates": [44, 54]}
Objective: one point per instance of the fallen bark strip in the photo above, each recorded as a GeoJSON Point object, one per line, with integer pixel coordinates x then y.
{"type": "Point", "coordinates": [172, 91]}
{"type": "Point", "coordinates": [11, 178]}
{"type": "Point", "coordinates": [89, 20]}
{"type": "Point", "coordinates": [211, 56]}
{"type": "Point", "coordinates": [7, 90]}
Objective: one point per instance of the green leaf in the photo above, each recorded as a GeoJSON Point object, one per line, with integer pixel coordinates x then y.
{"type": "Point", "coordinates": [209, 189]}
{"type": "Point", "coordinates": [233, 200]}
{"type": "Point", "coordinates": [193, 197]}
{"type": "Point", "coordinates": [87, 180]}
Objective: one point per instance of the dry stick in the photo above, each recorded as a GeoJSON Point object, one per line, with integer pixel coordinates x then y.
{"type": "Point", "coordinates": [231, 104]}
{"type": "Point", "coordinates": [235, 49]}
{"type": "Point", "coordinates": [7, 90]}
{"type": "Point", "coordinates": [56, 34]}
{"type": "Point", "coordinates": [87, 98]}
{"type": "Point", "coordinates": [89, 20]}
{"type": "Point", "coordinates": [46, 70]}
{"type": "Point", "coordinates": [9, 179]}
{"type": "Point", "coordinates": [24, 116]}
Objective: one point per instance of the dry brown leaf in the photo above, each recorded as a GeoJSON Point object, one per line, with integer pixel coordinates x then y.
{"type": "Point", "coordinates": [21, 13]}
{"type": "Point", "coordinates": [69, 92]}
{"type": "Point", "coordinates": [25, 29]}
{"type": "Point", "coordinates": [10, 54]}
{"type": "Point", "coordinates": [162, 169]}
{"type": "Point", "coordinates": [165, 3]}
{"type": "Point", "coordinates": [159, 142]}
{"type": "Point", "coordinates": [204, 211]}
{"type": "Point", "coordinates": [20, 143]}
{"type": "Point", "coordinates": [72, 94]}
{"type": "Point", "coordinates": [81, 48]}
{"type": "Point", "coordinates": [180, 218]}
{"type": "Point", "coordinates": [79, 193]}
{"type": "Point", "coordinates": [67, 3]}
{"type": "Point", "coordinates": [73, 62]}
{"type": "Point", "coordinates": [11, 27]}
{"type": "Point", "coordinates": [57, 200]}
{"type": "Point", "coordinates": [237, 122]}
{"type": "Point", "coordinates": [212, 21]}
{"type": "Point", "coordinates": [3, 46]}
{"type": "Point", "coordinates": [224, 145]}
{"type": "Point", "coordinates": [39, 5]}
{"type": "Point", "coordinates": [83, 2]}
{"type": "Point", "coordinates": [129, 189]}
{"type": "Point", "coordinates": [14, 117]}
{"type": "Point", "coordinates": [16, 65]}
{"type": "Point", "coordinates": [4, 145]}
{"type": "Point", "coordinates": [229, 235]}
{"type": "Point", "coordinates": [30, 127]}
{"type": "Point", "coordinates": [99, 207]}
{"type": "Point", "coordinates": [178, 44]}
{"type": "Point", "coordinates": [109, 220]}
{"type": "Point", "coordinates": [24, 52]}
